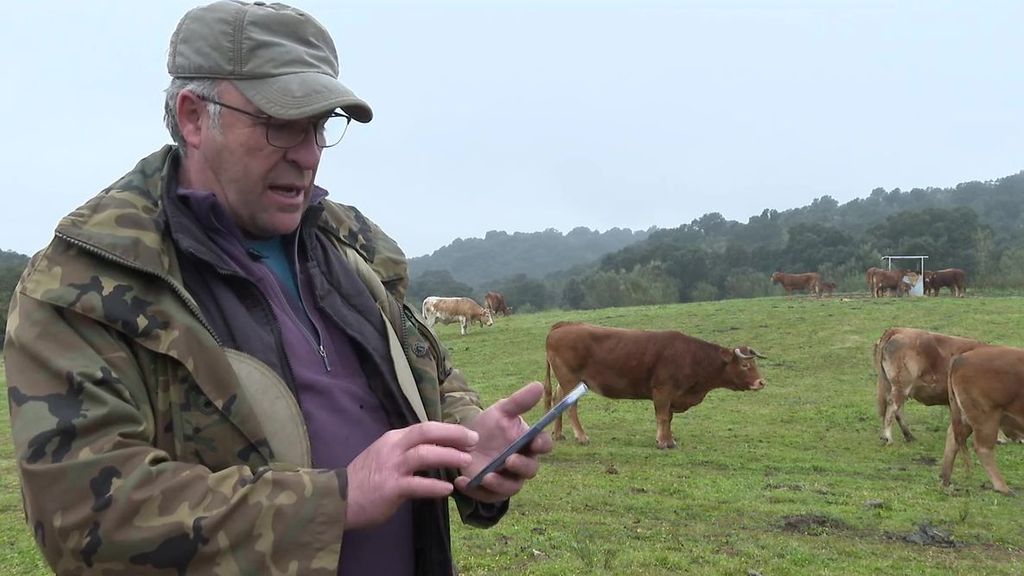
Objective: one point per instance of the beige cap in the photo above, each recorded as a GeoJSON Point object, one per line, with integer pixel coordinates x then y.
{"type": "Point", "coordinates": [279, 57]}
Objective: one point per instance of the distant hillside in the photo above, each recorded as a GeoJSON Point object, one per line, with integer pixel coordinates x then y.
{"type": "Point", "coordinates": [477, 261]}
{"type": "Point", "coordinates": [11, 266]}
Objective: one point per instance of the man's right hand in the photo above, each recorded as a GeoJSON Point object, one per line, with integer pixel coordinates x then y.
{"type": "Point", "coordinates": [382, 476]}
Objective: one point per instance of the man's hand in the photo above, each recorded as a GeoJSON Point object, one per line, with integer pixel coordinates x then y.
{"type": "Point", "coordinates": [498, 426]}
{"type": "Point", "coordinates": [382, 477]}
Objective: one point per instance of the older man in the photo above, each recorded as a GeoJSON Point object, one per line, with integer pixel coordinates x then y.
{"type": "Point", "coordinates": [212, 368]}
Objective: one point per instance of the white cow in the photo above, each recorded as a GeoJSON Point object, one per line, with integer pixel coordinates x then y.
{"type": "Point", "coordinates": [448, 310]}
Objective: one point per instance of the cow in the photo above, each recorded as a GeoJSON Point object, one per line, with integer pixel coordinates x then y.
{"type": "Point", "coordinates": [462, 310]}
{"type": "Point", "coordinates": [672, 369]}
{"type": "Point", "coordinates": [495, 301]}
{"type": "Point", "coordinates": [913, 363]}
{"type": "Point", "coordinates": [953, 278]}
{"type": "Point", "coordinates": [891, 280]}
{"type": "Point", "coordinates": [986, 391]}
{"type": "Point", "coordinates": [809, 281]}
{"type": "Point", "coordinates": [869, 277]}
{"type": "Point", "coordinates": [828, 288]}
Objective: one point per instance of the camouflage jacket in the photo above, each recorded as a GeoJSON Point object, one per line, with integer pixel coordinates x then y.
{"type": "Point", "coordinates": [143, 444]}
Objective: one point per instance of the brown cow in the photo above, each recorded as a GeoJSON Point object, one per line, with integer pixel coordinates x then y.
{"type": "Point", "coordinates": [953, 278]}
{"type": "Point", "coordinates": [670, 368]}
{"type": "Point", "coordinates": [495, 301]}
{"type": "Point", "coordinates": [809, 281]}
{"type": "Point", "coordinates": [869, 277]}
{"type": "Point", "coordinates": [828, 288]}
{"type": "Point", "coordinates": [461, 310]}
{"type": "Point", "coordinates": [986, 390]}
{"type": "Point", "coordinates": [891, 281]}
{"type": "Point", "coordinates": [913, 363]}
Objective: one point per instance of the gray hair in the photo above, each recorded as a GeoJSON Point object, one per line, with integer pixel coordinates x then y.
{"type": "Point", "coordinates": [204, 88]}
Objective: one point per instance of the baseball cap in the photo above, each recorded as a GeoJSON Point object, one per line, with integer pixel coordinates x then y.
{"type": "Point", "coordinates": [279, 57]}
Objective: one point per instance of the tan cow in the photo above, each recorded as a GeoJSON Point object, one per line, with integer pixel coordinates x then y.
{"type": "Point", "coordinates": [448, 310]}
{"type": "Point", "coordinates": [672, 369]}
{"type": "Point", "coordinates": [892, 282]}
{"type": "Point", "coordinates": [913, 363]}
{"type": "Point", "coordinates": [869, 276]}
{"type": "Point", "coordinates": [809, 281]}
{"type": "Point", "coordinates": [986, 390]}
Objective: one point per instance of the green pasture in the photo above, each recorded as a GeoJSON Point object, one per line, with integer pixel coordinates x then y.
{"type": "Point", "coordinates": [790, 480]}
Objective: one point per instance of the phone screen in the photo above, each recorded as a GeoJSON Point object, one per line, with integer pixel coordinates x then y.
{"type": "Point", "coordinates": [521, 442]}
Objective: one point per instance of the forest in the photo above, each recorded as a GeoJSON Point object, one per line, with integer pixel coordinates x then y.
{"type": "Point", "coordinates": [975, 226]}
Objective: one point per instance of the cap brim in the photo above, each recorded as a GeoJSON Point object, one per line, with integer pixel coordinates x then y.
{"type": "Point", "coordinates": [302, 95]}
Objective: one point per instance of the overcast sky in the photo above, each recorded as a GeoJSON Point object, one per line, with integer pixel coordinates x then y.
{"type": "Point", "coordinates": [527, 115]}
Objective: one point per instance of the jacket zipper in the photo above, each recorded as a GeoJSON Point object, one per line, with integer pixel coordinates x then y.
{"type": "Point", "coordinates": [318, 342]}
{"type": "Point", "coordinates": [178, 290]}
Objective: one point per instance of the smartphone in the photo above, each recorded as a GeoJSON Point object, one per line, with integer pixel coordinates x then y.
{"type": "Point", "coordinates": [530, 434]}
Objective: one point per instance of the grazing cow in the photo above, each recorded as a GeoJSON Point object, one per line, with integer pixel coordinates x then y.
{"type": "Point", "coordinates": [986, 391]}
{"type": "Point", "coordinates": [495, 301]}
{"type": "Point", "coordinates": [828, 288]}
{"type": "Point", "coordinates": [953, 278]}
{"type": "Point", "coordinates": [891, 280]}
{"type": "Point", "coordinates": [670, 368]}
{"type": "Point", "coordinates": [913, 363]}
{"type": "Point", "coordinates": [869, 277]}
{"type": "Point", "coordinates": [809, 281]}
{"type": "Point", "coordinates": [461, 310]}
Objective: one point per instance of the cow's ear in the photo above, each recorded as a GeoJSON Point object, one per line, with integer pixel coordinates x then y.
{"type": "Point", "coordinates": [727, 355]}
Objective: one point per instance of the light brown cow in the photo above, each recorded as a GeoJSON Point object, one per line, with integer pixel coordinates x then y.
{"type": "Point", "coordinates": [495, 301]}
{"type": "Point", "coordinates": [448, 310]}
{"type": "Point", "coordinates": [869, 276]}
{"type": "Point", "coordinates": [913, 363]}
{"type": "Point", "coordinates": [953, 278]}
{"type": "Point", "coordinates": [986, 390]}
{"type": "Point", "coordinates": [809, 281]}
{"type": "Point", "coordinates": [672, 369]}
{"type": "Point", "coordinates": [891, 281]}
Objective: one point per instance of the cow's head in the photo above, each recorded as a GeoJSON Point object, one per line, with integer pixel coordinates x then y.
{"type": "Point", "coordinates": [775, 277]}
{"type": "Point", "coordinates": [740, 371]}
{"type": "Point", "coordinates": [488, 317]}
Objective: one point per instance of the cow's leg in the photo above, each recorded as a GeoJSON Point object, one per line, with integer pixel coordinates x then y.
{"type": "Point", "coordinates": [577, 428]}
{"type": "Point", "coordinates": [984, 446]}
{"type": "Point", "coordinates": [663, 415]}
{"type": "Point", "coordinates": [557, 434]}
{"type": "Point", "coordinates": [949, 456]}
{"type": "Point", "coordinates": [463, 321]}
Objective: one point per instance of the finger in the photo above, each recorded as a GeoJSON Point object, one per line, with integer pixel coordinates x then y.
{"type": "Point", "coordinates": [431, 456]}
{"type": "Point", "coordinates": [520, 466]}
{"type": "Point", "coordinates": [438, 433]}
{"type": "Point", "coordinates": [522, 400]}
{"type": "Point", "coordinates": [542, 444]}
{"type": "Point", "coordinates": [495, 487]}
{"type": "Point", "coordinates": [425, 487]}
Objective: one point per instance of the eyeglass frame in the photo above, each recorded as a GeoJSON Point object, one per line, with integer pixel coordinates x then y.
{"type": "Point", "coordinates": [267, 121]}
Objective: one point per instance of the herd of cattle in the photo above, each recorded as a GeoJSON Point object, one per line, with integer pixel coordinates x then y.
{"type": "Point", "coordinates": [880, 282]}
{"type": "Point", "coordinates": [982, 384]}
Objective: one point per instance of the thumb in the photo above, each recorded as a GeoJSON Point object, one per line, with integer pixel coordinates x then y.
{"type": "Point", "coordinates": [522, 400]}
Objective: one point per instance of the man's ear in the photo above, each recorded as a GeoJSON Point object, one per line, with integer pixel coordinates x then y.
{"type": "Point", "coordinates": [190, 115]}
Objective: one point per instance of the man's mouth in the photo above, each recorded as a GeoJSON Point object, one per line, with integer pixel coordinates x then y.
{"type": "Point", "coordinates": [287, 190]}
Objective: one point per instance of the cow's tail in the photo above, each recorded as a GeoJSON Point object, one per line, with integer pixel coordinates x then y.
{"type": "Point", "coordinates": [884, 387]}
{"type": "Point", "coordinates": [547, 384]}
{"type": "Point", "coordinates": [956, 417]}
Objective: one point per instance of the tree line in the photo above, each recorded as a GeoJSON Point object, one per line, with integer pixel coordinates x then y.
{"type": "Point", "coordinates": [975, 226]}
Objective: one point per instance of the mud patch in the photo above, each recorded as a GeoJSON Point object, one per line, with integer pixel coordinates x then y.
{"type": "Point", "coordinates": [925, 460]}
{"type": "Point", "coordinates": [812, 524]}
{"type": "Point", "coordinates": [928, 535]}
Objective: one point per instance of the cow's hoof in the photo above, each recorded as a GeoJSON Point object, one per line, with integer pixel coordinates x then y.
{"type": "Point", "coordinates": [671, 446]}
{"type": "Point", "coordinates": [558, 436]}
{"type": "Point", "coordinates": [583, 440]}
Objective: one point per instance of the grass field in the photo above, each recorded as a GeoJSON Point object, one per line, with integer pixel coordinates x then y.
{"type": "Point", "coordinates": [790, 480]}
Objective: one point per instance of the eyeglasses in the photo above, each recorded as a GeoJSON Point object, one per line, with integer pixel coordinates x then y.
{"type": "Point", "coordinates": [286, 134]}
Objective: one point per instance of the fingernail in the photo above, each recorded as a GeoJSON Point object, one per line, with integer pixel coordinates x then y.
{"type": "Point", "coordinates": [473, 436]}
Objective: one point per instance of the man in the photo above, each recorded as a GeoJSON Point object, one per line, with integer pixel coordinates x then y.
{"type": "Point", "coordinates": [212, 369]}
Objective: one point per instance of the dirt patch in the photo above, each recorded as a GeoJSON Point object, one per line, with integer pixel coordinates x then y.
{"type": "Point", "coordinates": [812, 524]}
{"type": "Point", "coordinates": [928, 535]}
{"type": "Point", "coordinates": [925, 460]}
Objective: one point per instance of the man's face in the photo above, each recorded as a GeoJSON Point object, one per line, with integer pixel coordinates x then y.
{"type": "Point", "coordinates": [264, 189]}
